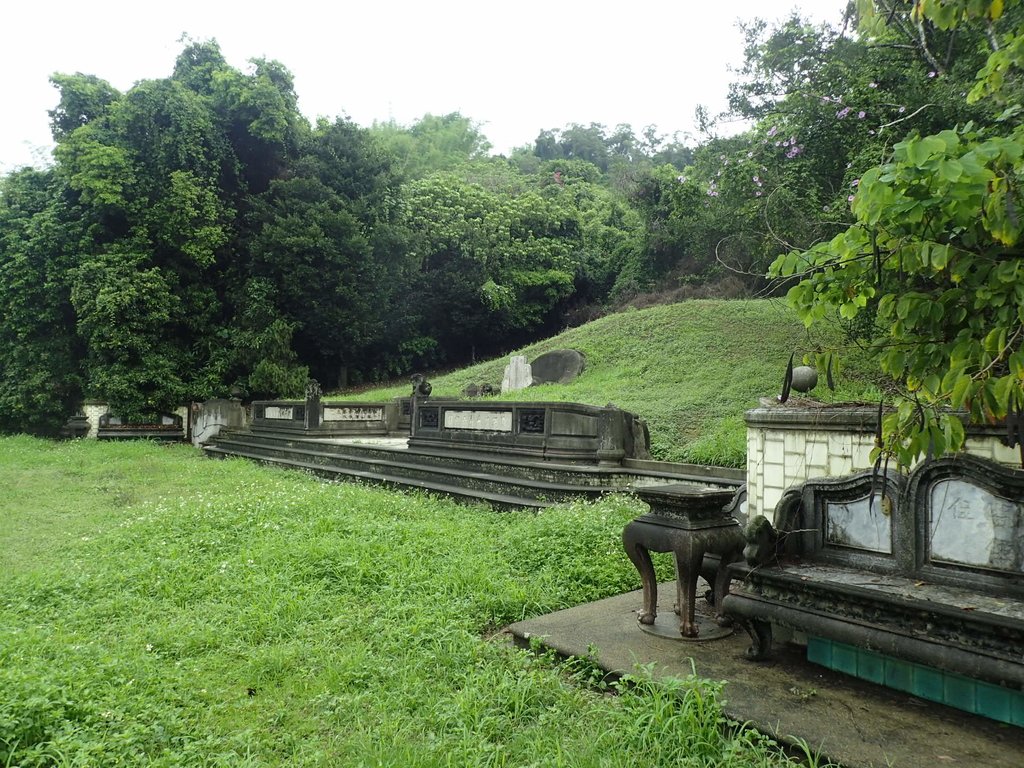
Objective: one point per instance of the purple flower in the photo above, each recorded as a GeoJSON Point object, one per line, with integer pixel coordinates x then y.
{"type": "Point", "coordinates": [773, 131]}
{"type": "Point", "coordinates": [861, 115]}
{"type": "Point", "coordinates": [855, 183]}
{"type": "Point", "coordinates": [932, 73]}
{"type": "Point", "coordinates": [843, 112]}
{"type": "Point", "coordinates": [902, 110]}
{"type": "Point", "coordinates": [755, 179]}
{"type": "Point", "coordinates": [849, 199]}
{"type": "Point", "coordinates": [872, 85]}
{"type": "Point", "coordinates": [757, 193]}
{"type": "Point", "coordinates": [681, 179]}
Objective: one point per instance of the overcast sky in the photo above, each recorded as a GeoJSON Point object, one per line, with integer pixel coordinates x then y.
{"type": "Point", "coordinates": [514, 66]}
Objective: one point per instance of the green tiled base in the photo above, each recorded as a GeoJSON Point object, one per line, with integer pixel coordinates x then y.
{"type": "Point", "coordinates": [992, 701]}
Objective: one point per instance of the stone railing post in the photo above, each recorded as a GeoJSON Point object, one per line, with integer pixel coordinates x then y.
{"type": "Point", "coordinates": [314, 414]}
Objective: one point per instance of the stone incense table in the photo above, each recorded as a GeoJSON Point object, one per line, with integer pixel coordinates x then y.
{"type": "Point", "coordinates": [689, 521]}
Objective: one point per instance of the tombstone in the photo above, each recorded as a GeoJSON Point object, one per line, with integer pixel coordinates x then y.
{"type": "Point", "coordinates": [560, 366]}
{"type": "Point", "coordinates": [518, 374]}
{"type": "Point", "coordinates": [471, 391]}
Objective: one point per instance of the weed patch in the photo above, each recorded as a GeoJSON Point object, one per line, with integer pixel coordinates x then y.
{"type": "Point", "coordinates": [228, 614]}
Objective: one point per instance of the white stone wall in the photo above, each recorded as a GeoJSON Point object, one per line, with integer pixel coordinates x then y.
{"type": "Point", "coordinates": [780, 456]}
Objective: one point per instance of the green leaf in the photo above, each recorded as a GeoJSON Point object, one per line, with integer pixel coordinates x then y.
{"type": "Point", "coordinates": [960, 391]}
{"type": "Point", "coordinates": [951, 170]}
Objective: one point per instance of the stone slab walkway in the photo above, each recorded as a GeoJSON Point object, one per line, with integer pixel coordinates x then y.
{"type": "Point", "coordinates": [855, 723]}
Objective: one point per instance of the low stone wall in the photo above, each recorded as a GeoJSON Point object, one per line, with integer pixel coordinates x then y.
{"type": "Point", "coordinates": [315, 418]}
{"type": "Point", "coordinates": [211, 416]}
{"type": "Point", "coordinates": [788, 446]}
{"type": "Point", "coordinates": [95, 410]}
{"type": "Point", "coordinates": [570, 432]}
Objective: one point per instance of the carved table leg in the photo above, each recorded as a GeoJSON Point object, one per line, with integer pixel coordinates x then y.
{"type": "Point", "coordinates": [641, 559]}
{"type": "Point", "coordinates": [688, 559]}
{"type": "Point", "coordinates": [761, 638]}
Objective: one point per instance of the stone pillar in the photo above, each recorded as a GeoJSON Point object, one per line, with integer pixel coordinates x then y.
{"type": "Point", "coordinates": [611, 435]}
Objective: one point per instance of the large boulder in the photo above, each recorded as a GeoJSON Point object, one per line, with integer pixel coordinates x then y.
{"type": "Point", "coordinates": [560, 366]}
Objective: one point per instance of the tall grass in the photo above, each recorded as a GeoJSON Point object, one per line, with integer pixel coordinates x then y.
{"type": "Point", "coordinates": [690, 369]}
{"type": "Point", "coordinates": [161, 609]}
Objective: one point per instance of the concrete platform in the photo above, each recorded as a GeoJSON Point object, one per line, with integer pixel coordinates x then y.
{"type": "Point", "coordinates": [849, 721]}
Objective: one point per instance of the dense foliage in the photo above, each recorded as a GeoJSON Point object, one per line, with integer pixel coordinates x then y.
{"type": "Point", "coordinates": [196, 234]}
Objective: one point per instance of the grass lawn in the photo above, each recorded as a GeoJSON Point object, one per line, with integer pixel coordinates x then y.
{"type": "Point", "coordinates": [158, 608]}
{"type": "Point", "coordinates": [690, 369]}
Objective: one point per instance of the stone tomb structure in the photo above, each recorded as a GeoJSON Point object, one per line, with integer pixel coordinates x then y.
{"type": "Point", "coordinates": [913, 582]}
{"type": "Point", "coordinates": [787, 446]}
{"type": "Point", "coordinates": [560, 366]}
{"type": "Point", "coordinates": [167, 426]}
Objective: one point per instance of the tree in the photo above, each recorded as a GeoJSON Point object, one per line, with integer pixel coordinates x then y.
{"type": "Point", "coordinates": [82, 98]}
{"type": "Point", "coordinates": [319, 245]}
{"type": "Point", "coordinates": [492, 266]}
{"type": "Point", "coordinates": [934, 258]}
{"type": "Point", "coordinates": [40, 356]}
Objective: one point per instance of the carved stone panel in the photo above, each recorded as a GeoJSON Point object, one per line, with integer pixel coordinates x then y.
{"type": "Point", "coordinates": [969, 525]}
{"type": "Point", "coordinates": [483, 421]}
{"type": "Point", "coordinates": [531, 421]}
{"type": "Point", "coordinates": [278, 412]}
{"type": "Point", "coordinates": [429, 417]}
{"type": "Point", "coordinates": [859, 524]}
{"type": "Point", "coordinates": [354, 413]}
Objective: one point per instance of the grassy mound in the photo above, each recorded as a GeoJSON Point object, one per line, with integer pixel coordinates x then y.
{"type": "Point", "coordinates": [690, 369]}
{"type": "Point", "coordinates": [165, 610]}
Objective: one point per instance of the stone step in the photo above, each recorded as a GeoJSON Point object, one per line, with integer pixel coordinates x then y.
{"type": "Point", "coordinates": [469, 476]}
{"type": "Point", "coordinates": [497, 500]}
{"type": "Point", "coordinates": [638, 472]}
{"type": "Point", "coordinates": [502, 481]}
